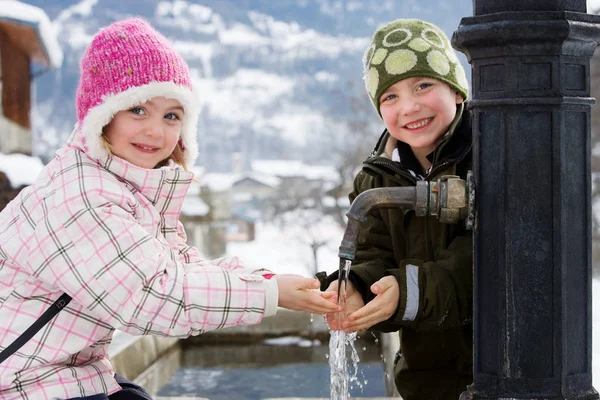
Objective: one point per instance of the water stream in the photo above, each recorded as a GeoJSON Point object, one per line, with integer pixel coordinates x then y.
{"type": "Point", "coordinates": [340, 343]}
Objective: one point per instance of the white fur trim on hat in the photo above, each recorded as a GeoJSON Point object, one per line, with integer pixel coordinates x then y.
{"type": "Point", "coordinates": [99, 116]}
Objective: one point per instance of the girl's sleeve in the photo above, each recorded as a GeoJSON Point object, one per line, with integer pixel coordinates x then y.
{"type": "Point", "coordinates": [190, 254]}
{"type": "Point", "coordinates": [102, 257]}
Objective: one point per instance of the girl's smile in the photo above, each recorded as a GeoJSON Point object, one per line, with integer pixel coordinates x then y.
{"type": "Point", "coordinates": [146, 149]}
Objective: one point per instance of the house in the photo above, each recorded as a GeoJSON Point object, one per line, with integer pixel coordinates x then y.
{"type": "Point", "coordinates": [206, 212]}
{"type": "Point", "coordinates": [300, 184]}
{"type": "Point", "coordinates": [250, 190]}
{"type": "Point", "coordinates": [195, 217]}
{"type": "Point", "coordinates": [28, 47]}
{"type": "Point", "coordinates": [242, 227]}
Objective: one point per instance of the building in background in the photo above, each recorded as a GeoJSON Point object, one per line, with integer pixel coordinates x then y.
{"type": "Point", "coordinates": [28, 48]}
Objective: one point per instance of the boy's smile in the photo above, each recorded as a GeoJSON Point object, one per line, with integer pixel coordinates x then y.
{"type": "Point", "coordinates": [146, 134]}
{"type": "Point", "coordinates": [418, 124]}
{"type": "Point", "coordinates": [418, 111]}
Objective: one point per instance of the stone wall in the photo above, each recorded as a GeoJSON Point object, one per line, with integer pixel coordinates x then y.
{"type": "Point", "coordinates": [151, 360]}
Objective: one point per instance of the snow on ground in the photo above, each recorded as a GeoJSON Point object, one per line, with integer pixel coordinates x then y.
{"type": "Point", "coordinates": [285, 251]}
{"type": "Point", "coordinates": [20, 169]}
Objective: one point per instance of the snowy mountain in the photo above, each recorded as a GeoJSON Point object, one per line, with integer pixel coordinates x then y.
{"type": "Point", "coordinates": [274, 77]}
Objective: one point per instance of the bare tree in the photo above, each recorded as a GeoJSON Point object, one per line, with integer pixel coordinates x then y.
{"type": "Point", "coordinates": [347, 139]}
{"type": "Point", "coordinates": [350, 141]}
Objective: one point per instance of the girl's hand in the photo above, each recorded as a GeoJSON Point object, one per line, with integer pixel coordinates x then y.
{"type": "Point", "coordinates": [302, 294]}
{"type": "Point", "coordinates": [354, 302]}
{"type": "Point", "coordinates": [381, 308]}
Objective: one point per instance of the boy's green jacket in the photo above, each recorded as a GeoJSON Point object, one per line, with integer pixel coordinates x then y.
{"type": "Point", "coordinates": [433, 265]}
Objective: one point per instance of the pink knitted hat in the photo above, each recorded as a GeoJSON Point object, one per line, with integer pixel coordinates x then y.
{"type": "Point", "coordinates": [127, 64]}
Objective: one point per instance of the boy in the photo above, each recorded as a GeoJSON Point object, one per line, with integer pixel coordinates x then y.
{"type": "Point", "coordinates": [414, 274]}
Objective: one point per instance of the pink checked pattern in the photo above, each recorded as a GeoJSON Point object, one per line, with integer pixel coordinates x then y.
{"type": "Point", "coordinates": [108, 234]}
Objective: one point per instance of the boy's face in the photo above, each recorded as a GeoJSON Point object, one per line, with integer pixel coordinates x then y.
{"type": "Point", "coordinates": [418, 111]}
{"type": "Point", "coordinates": [146, 134]}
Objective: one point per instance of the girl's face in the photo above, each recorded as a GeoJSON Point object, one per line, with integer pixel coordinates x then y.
{"type": "Point", "coordinates": [418, 111]}
{"type": "Point", "coordinates": [146, 134]}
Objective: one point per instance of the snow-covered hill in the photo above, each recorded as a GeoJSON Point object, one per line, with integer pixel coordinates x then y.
{"type": "Point", "coordinates": [275, 77]}
{"type": "Point", "coordinates": [272, 75]}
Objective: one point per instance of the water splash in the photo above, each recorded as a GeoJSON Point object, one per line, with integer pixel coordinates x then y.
{"type": "Point", "coordinates": [338, 364]}
{"type": "Point", "coordinates": [339, 342]}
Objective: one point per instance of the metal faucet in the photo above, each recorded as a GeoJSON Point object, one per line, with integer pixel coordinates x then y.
{"type": "Point", "coordinates": [449, 199]}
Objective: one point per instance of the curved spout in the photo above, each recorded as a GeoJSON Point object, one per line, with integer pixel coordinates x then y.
{"type": "Point", "coordinates": [372, 199]}
{"type": "Point", "coordinates": [448, 199]}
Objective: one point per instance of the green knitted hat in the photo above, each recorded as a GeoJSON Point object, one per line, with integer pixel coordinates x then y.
{"type": "Point", "coordinates": [406, 48]}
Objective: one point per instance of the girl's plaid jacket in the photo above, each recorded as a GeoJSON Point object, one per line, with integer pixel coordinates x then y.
{"type": "Point", "coordinates": [108, 234]}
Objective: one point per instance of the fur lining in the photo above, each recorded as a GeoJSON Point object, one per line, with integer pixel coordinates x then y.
{"type": "Point", "coordinates": [99, 116]}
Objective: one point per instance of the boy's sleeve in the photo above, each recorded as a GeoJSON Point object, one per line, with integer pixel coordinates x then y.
{"type": "Point", "coordinates": [435, 295]}
{"type": "Point", "coordinates": [102, 257]}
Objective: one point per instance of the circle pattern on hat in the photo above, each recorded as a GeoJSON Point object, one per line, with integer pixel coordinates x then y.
{"type": "Point", "coordinates": [369, 55]}
{"type": "Point", "coordinates": [418, 44]}
{"type": "Point", "coordinates": [400, 61]}
{"type": "Point", "coordinates": [460, 75]}
{"type": "Point", "coordinates": [379, 56]}
{"type": "Point", "coordinates": [400, 36]}
{"type": "Point", "coordinates": [409, 48]}
{"type": "Point", "coordinates": [438, 62]}
{"type": "Point", "coordinates": [433, 38]}
{"type": "Point", "coordinates": [372, 81]}
{"type": "Point", "coordinates": [451, 56]}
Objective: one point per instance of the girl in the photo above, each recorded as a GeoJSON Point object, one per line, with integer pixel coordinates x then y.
{"type": "Point", "coordinates": [101, 224]}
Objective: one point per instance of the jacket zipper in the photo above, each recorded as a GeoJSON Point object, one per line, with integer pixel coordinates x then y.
{"type": "Point", "coordinates": [393, 166]}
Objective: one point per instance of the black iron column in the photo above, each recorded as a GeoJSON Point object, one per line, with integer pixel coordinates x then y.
{"type": "Point", "coordinates": [531, 107]}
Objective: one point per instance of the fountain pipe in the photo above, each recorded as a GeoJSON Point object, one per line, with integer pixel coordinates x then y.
{"type": "Point", "coordinates": [449, 199]}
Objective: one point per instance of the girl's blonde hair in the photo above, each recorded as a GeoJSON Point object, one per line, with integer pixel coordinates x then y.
{"type": "Point", "coordinates": [177, 154]}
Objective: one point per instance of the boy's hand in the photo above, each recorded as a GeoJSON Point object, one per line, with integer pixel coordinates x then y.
{"type": "Point", "coordinates": [381, 308]}
{"type": "Point", "coordinates": [354, 302]}
{"type": "Point", "coordinates": [302, 294]}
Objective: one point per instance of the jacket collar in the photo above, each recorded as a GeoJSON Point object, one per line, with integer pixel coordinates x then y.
{"type": "Point", "coordinates": [164, 187]}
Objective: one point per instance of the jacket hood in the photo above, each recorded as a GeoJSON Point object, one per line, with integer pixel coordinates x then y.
{"type": "Point", "coordinates": [90, 128]}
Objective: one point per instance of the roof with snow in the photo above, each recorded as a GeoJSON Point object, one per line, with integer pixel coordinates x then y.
{"type": "Point", "coordinates": [193, 206]}
{"type": "Point", "coordinates": [217, 181]}
{"type": "Point", "coordinates": [25, 14]}
{"type": "Point", "coordinates": [294, 168]}
{"type": "Point", "coordinates": [265, 179]}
